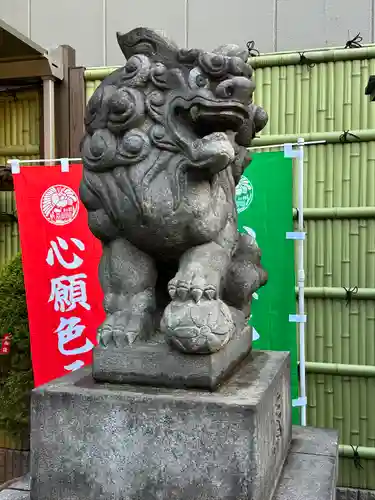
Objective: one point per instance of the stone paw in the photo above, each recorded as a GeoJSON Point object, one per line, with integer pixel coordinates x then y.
{"type": "Point", "coordinates": [121, 330]}
{"type": "Point", "coordinates": [194, 283]}
{"type": "Point", "coordinates": [199, 328]}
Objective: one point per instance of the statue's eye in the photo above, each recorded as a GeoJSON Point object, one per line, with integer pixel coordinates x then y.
{"type": "Point", "coordinates": [197, 79]}
{"type": "Point", "coordinates": [201, 81]}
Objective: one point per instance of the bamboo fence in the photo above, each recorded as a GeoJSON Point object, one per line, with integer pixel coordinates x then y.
{"type": "Point", "coordinates": [324, 99]}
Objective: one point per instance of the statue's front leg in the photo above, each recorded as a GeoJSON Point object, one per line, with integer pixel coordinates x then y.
{"type": "Point", "coordinates": [128, 278]}
{"type": "Point", "coordinates": [197, 320]}
{"type": "Point", "coordinates": [200, 273]}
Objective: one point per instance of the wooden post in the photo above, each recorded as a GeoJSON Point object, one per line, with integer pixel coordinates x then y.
{"type": "Point", "coordinates": [62, 103]}
{"type": "Point", "coordinates": [77, 110]}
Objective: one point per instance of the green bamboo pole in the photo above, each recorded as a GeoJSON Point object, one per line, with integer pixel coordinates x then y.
{"type": "Point", "coordinates": [364, 452]}
{"type": "Point", "coordinates": [365, 135]}
{"type": "Point", "coordinates": [22, 150]}
{"type": "Point", "coordinates": [313, 56]}
{"type": "Point", "coordinates": [99, 73]}
{"type": "Point", "coordinates": [343, 369]}
{"type": "Point", "coordinates": [337, 213]}
{"type": "Point", "coordinates": [321, 292]}
{"type": "Point", "coordinates": [269, 60]}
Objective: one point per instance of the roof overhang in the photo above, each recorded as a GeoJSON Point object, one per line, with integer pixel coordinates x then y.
{"type": "Point", "coordinates": [21, 58]}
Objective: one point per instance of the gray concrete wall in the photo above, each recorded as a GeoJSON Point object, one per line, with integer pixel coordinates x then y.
{"type": "Point", "coordinates": [275, 25]}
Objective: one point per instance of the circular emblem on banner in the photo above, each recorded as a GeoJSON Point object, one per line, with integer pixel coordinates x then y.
{"type": "Point", "coordinates": [59, 205]}
{"type": "Point", "coordinates": [244, 194]}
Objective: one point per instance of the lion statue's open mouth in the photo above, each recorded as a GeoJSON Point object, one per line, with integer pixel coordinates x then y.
{"type": "Point", "coordinates": [205, 118]}
{"type": "Point", "coordinates": [207, 128]}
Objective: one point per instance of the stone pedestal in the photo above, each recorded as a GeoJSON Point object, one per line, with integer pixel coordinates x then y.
{"type": "Point", "coordinates": [309, 472]}
{"type": "Point", "coordinates": [131, 442]}
{"type": "Point", "coordinates": [124, 442]}
{"type": "Point", "coordinates": [155, 363]}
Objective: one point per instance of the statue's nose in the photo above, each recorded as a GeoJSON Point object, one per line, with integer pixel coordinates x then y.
{"type": "Point", "coordinates": [238, 88]}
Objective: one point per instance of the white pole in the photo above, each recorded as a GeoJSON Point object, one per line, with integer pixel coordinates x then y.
{"type": "Point", "coordinates": [301, 283]}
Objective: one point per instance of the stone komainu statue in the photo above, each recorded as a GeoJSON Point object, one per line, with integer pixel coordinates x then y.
{"type": "Point", "coordinates": [165, 146]}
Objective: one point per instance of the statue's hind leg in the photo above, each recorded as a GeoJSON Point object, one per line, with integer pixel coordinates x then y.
{"type": "Point", "coordinates": [128, 278]}
{"type": "Point", "coordinates": [245, 275]}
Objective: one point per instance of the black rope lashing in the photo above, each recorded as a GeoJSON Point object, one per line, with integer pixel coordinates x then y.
{"type": "Point", "coordinates": [356, 458]}
{"type": "Point", "coordinates": [9, 215]}
{"type": "Point", "coordinates": [344, 137]}
{"type": "Point", "coordinates": [9, 92]}
{"type": "Point", "coordinates": [354, 43]}
{"type": "Point", "coordinates": [253, 52]}
{"type": "Point", "coordinates": [303, 60]}
{"type": "Point", "coordinates": [349, 293]}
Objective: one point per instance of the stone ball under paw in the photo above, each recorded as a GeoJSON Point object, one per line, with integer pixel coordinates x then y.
{"type": "Point", "coordinates": [200, 327]}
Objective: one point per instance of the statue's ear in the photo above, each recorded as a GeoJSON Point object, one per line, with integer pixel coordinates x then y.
{"type": "Point", "coordinates": [232, 51]}
{"type": "Point", "coordinates": [151, 43]}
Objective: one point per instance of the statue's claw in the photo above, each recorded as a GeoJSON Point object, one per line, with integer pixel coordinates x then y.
{"type": "Point", "coordinates": [194, 282]}
{"type": "Point", "coordinates": [121, 330]}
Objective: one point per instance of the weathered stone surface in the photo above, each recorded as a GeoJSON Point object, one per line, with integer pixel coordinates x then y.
{"type": "Point", "coordinates": [165, 147]}
{"type": "Point", "coordinates": [308, 477]}
{"type": "Point", "coordinates": [366, 494]}
{"type": "Point", "coordinates": [313, 441]}
{"type": "Point", "coordinates": [159, 365]}
{"type": "Point", "coordinates": [347, 494]}
{"type": "Point", "coordinates": [22, 483]}
{"type": "Point", "coordinates": [14, 495]}
{"type": "Point", "coordinates": [310, 469]}
{"type": "Point", "coordinates": [309, 442]}
{"type": "Point", "coordinates": [354, 494]}
{"type": "Point", "coordinates": [133, 443]}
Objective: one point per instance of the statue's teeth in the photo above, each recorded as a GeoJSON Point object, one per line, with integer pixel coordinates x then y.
{"type": "Point", "coordinates": [194, 113]}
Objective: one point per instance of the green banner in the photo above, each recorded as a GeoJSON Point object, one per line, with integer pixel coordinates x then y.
{"type": "Point", "coordinates": [265, 210]}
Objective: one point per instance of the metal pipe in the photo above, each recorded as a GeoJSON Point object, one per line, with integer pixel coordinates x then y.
{"type": "Point", "coordinates": [337, 213]}
{"type": "Point", "coordinates": [364, 452]}
{"type": "Point", "coordinates": [367, 371]}
{"type": "Point", "coordinates": [325, 292]}
{"type": "Point", "coordinates": [321, 137]}
{"type": "Point", "coordinates": [49, 117]}
{"type": "Point", "coordinates": [301, 282]}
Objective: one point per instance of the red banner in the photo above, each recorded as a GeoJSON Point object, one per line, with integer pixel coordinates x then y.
{"type": "Point", "coordinates": [60, 261]}
{"type": "Point", "coordinates": [5, 343]}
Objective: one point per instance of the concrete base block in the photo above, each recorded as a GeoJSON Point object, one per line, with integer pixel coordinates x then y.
{"type": "Point", "coordinates": [128, 442]}
{"type": "Point", "coordinates": [318, 447]}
